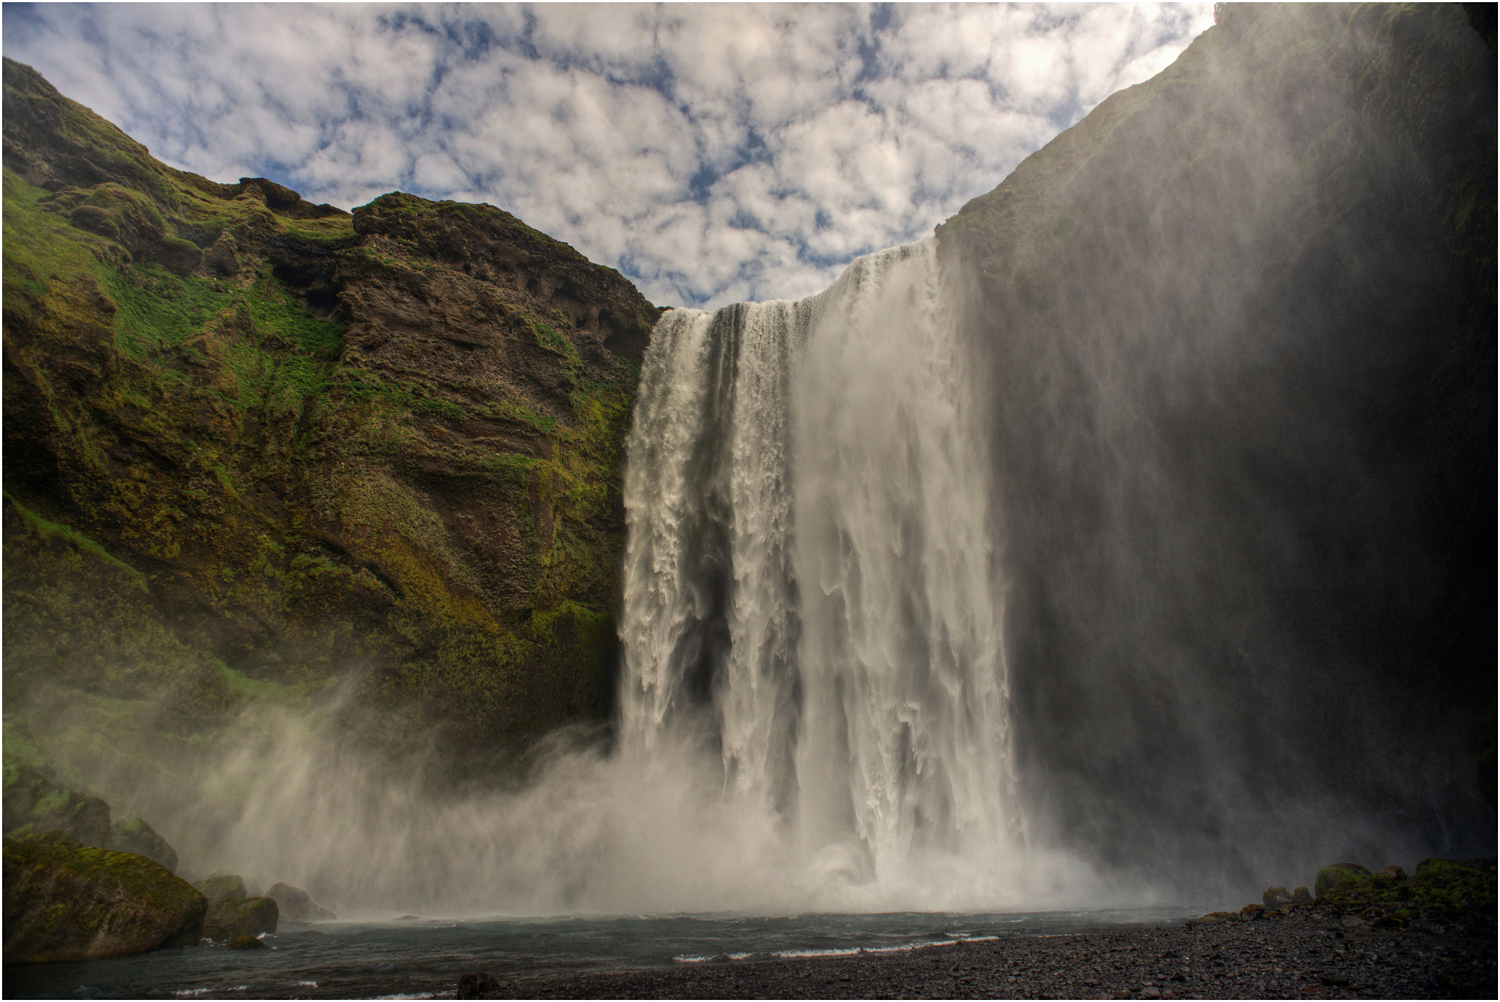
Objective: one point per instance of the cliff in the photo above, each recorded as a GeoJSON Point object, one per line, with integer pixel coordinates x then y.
{"type": "Point", "coordinates": [258, 450]}
{"type": "Point", "coordinates": [1238, 341]}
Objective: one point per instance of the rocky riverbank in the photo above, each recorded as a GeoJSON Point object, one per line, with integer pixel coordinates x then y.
{"type": "Point", "coordinates": [1307, 953]}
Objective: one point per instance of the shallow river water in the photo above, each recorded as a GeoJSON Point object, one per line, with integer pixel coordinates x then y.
{"type": "Point", "coordinates": [426, 956]}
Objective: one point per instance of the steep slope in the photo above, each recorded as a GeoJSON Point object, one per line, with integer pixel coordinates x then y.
{"type": "Point", "coordinates": [258, 450]}
{"type": "Point", "coordinates": [1239, 337]}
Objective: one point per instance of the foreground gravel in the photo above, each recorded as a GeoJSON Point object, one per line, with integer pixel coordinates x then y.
{"type": "Point", "coordinates": [1306, 954]}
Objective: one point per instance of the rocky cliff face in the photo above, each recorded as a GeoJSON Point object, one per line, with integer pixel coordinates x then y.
{"type": "Point", "coordinates": [258, 450]}
{"type": "Point", "coordinates": [1239, 338]}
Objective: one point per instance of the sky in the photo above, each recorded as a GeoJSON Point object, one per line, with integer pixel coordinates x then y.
{"type": "Point", "coordinates": [711, 152]}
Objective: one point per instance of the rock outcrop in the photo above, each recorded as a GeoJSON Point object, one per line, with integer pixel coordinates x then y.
{"type": "Point", "coordinates": [133, 834]}
{"type": "Point", "coordinates": [230, 917]}
{"type": "Point", "coordinates": [297, 905]}
{"type": "Point", "coordinates": [1236, 338]}
{"type": "Point", "coordinates": [222, 885]}
{"type": "Point", "coordinates": [268, 449]}
{"type": "Point", "coordinates": [66, 901]}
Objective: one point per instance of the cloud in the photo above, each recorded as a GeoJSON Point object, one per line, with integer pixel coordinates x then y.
{"type": "Point", "coordinates": [710, 152]}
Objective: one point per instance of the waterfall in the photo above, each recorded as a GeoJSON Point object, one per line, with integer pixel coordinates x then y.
{"type": "Point", "coordinates": [810, 600]}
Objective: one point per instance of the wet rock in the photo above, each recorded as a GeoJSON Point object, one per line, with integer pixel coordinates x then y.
{"type": "Point", "coordinates": [73, 902]}
{"type": "Point", "coordinates": [1301, 897]}
{"type": "Point", "coordinates": [217, 933]}
{"type": "Point", "coordinates": [246, 943]}
{"type": "Point", "coordinates": [1251, 912]}
{"type": "Point", "coordinates": [243, 916]}
{"type": "Point", "coordinates": [34, 803]}
{"type": "Point", "coordinates": [1340, 877]}
{"type": "Point", "coordinates": [222, 885]}
{"type": "Point", "coordinates": [297, 905]}
{"type": "Point", "coordinates": [1396, 873]}
{"type": "Point", "coordinates": [1214, 918]}
{"type": "Point", "coordinates": [1276, 897]}
{"type": "Point", "coordinates": [133, 834]}
{"type": "Point", "coordinates": [479, 985]}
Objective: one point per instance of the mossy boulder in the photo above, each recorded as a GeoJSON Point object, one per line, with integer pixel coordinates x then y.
{"type": "Point", "coordinates": [242, 916]}
{"type": "Point", "coordinates": [1341, 877]}
{"type": "Point", "coordinates": [1276, 897]}
{"type": "Point", "coordinates": [74, 902]}
{"type": "Point", "coordinates": [297, 905]}
{"type": "Point", "coordinates": [133, 834]}
{"type": "Point", "coordinates": [34, 803]}
{"type": "Point", "coordinates": [222, 885]}
{"type": "Point", "coordinates": [246, 942]}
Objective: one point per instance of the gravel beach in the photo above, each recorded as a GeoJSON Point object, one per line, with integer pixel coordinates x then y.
{"type": "Point", "coordinates": [1305, 954]}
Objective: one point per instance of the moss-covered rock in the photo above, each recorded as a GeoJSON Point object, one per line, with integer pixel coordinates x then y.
{"type": "Point", "coordinates": [70, 902]}
{"type": "Point", "coordinates": [1441, 890]}
{"type": "Point", "coordinates": [1341, 877]}
{"type": "Point", "coordinates": [133, 834]}
{"type": "Point", "coordinates": [34, 803]}
{"type": "Point", "coordinates": [242, 916]}
{"type": "Point", "coordinates": [222, 885]}
{"type": "Point", "coordinates": [246, 943]}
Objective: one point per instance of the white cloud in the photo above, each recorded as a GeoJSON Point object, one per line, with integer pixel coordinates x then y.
{"type": "Point", "coordinates": [711, 152]}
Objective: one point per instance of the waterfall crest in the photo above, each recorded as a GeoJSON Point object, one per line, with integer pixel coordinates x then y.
{"type": "Point", "coordinates": [809, 593]}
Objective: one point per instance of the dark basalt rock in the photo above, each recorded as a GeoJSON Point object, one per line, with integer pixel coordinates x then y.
{"type": "Point", "coordinates": [133, 834]}
{"type": "Point", "coordinates": [242, 917]}
{"type": "Point", "coordinates": [71, 902]}
{"type": "Point", "coordinates": [246, 943]}
{"type": "Point", "coordinates": [222, 885]}
{"type": "Point", "coordinates": [297, 905]}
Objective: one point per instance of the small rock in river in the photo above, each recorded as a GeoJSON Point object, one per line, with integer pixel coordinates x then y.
{"type": "Point", "coordinates": [246, 943]}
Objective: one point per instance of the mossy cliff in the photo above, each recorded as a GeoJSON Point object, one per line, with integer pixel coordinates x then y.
{"type": "Point", "coordinates": [262, 450]}
{"type": "Point", "coordinates": [1237, 331]}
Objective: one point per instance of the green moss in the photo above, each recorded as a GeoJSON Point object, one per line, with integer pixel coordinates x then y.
{"type": "Point", "coordinates": [548, 339]}
{"type": "Point", "coordinates": [75, 540]}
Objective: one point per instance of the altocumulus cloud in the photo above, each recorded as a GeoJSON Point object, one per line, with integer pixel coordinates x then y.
{"type": "Point", "coordinates": [710, 152]}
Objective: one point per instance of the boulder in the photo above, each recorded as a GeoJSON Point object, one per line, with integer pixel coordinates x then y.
{"type": "Point", "coordinates": [1251, 912]}
{"type": "Point", "coordinates": [297, 905]}
{"type": "Point", "coordinates": [1301, 897]}
{"type": "Point", "coordinates": [1276, 897]}
{"type": "Point", "coordinates": [222, 885]}
{"type": "Point", "coordinates": [1396, 873]}
{"type": "Point", "coordinates": [1214, 918]}
{"type": "Point", "coordinates": [72, 902]}
{"type": "Point", "coordinates": [242, 916]}
{"type": "Point", "coordinates": [1340, 877]}
{"type": "Point", "coordinates": [1446, 871]}
{"type": "Point", "coordinates": [34, 803]}
{"type": "Point", "coordinates": [132, 834]}
{"type": "Point", "coordinates": [246, 943]}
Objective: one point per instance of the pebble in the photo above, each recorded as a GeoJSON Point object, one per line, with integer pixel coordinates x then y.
{"type": "Point", "coordinates": [1304, 954]}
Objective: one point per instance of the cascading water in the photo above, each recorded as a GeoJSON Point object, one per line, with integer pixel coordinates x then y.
{"type": "Point", "coordinates": [809, 593]}
{"type": "Point", "coordinates": [814, 701]}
